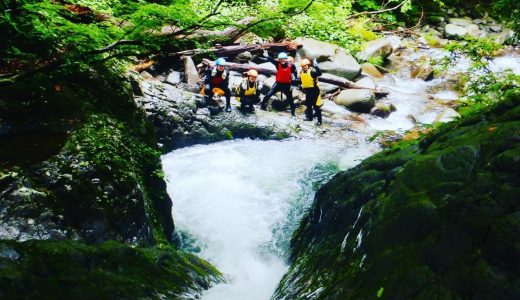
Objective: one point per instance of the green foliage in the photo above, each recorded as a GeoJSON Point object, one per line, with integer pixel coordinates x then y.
{"type": "Point", "coordinates": [475, 49]}
{"type": "Point", "coordinates": [480, 87]}
{"type": "Point", "coordinates": [376, 61]}
{"type": "Point", "coordinates": [380, 292]}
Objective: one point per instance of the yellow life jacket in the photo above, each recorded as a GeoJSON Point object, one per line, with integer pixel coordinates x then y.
{"type": "Point", "coordinates": [248, 92]}
{"type": "Point", "coordinates": [307, 80]}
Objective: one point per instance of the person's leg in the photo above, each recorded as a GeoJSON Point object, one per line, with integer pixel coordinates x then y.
{"type": "Point", "coordinates": [227, 95]}
{"type": "Point", "coordinates": [308, 105]}
{"type": "Point", "coordinates": [287, 91]}
{"type": "Point", "coordinates": [315, 93]}
{"type": "Point", "coordinates": [272, 91]}
{"type": "Point", "coordinates": [208, 91]}
{"type": "Point", "coordinates": [317, 110]}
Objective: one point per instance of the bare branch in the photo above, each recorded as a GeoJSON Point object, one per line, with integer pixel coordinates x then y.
{"type": "Point", "coordinates": [382, 10]}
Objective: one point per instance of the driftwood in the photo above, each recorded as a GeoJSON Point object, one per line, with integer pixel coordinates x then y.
{"type": "Point", "coordinates": [233, 50]}
{"type": "Point", "coordinates": [326, 78]}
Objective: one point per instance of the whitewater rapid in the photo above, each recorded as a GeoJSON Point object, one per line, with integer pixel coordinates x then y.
{"type": "Point", "coordinates": [237, 203]}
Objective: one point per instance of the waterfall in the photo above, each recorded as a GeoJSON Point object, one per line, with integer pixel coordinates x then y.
{"type": "Point", "coordinates": [237, 203]}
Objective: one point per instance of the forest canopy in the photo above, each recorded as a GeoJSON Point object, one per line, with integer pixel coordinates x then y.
{"type": "Point", "coordinates": [75, 35]}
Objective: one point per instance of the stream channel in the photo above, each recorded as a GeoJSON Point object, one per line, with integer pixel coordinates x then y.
{"type": "Point", "coordinates": [237, 203]}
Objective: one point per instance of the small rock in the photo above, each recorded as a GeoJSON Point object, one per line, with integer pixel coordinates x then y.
{"type": "Point", "coordinates": [174, 78]}
{"type": "Point", "coordinates": [370, 70]}
{"type": "Point", "coordinates": [422, 72]}
{"type": "Point", "coordinates": [463, 22]}
{"type": "Point", "coordinates": [146, 75]}
{"type": "Point", "coordinates": [495, 28]}
{"type": "Point", "coordinates": [243, 57]}
{"type": "Point", "coordinates": [473, 30]}
{"type": "Point", "coordinates": [454, 31]}
{"type": "Point", "coordinates": [382, 110]}
{"type": "Point", "coordinates": [366, 82]}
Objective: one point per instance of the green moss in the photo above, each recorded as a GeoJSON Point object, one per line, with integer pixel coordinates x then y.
{"type": "Point", "coordinates": [67, 270]}
{"type": "Point", "coordinates": [436, 219]}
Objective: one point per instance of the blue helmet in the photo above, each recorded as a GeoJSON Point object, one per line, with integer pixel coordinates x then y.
{"type": "Point", "coordinates": [220, 62]}
{"type": "Point", "coordinates": [282, 55]}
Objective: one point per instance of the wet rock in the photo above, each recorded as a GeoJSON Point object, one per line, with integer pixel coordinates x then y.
{"type": "Point", "coordinates": [243, 57]}
{"type": "Point", "coordinates": [154, 272]}
{"type": "Point", "coordinates": [192, 88]}
{"type": "Point", "coordinates": [366, 82]}
{"type": "Point", "coordinates": [473, 30]}
{"type": "Point", "coordinates": [495, 28]}
{"type": "Point", "coordinates": [454, 31]}
{"type": "Point", "coordinates": [502, 37]}
{"type": "Point", "coordinates": [377, 48]}
{"type": "Point", "coordinates": [342, 64]}
{"type": "Point", "coordinates": [191, 75]}
{"type": "Point", "coordinates": [316, 49]}
{"type": "Point", "coordinates": [327, 88]}
{"type": "Point", "coordinates": [174, 78]}
{"type": "Point", "coordinates": [268, 65]}
{"type": "Point", "coordinates": [358, 100]}
{"type": "Point", "coordinates": [382, 110]}
{"type": "Point", "coordinates": [462, 22]}
{"type": "Point", "coordinates": [422, 72]}
{"type": "Point", "coordinates": [416, 211]}
{"type": "Point", "coordinates": [146, 75]}
{"type": "Point", "coordinates": [371, 70]}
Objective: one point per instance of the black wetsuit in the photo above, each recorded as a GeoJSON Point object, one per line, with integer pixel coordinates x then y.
{"type": "Point", "coordinates": [284, 87]}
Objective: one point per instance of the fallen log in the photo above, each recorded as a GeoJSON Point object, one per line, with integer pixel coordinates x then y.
{"type": "Point", "coordinates": [233, 50]}
{"type": "Point", "coordinates": [327, 78]}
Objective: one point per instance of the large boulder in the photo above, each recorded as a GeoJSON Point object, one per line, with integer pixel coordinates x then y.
{"type": "Point", "coordinates": [316, 49]}
{"type": "Point", "coordinates": [463, 22]}
{"type": "Point", "coordinates": [190, 71]}
{"type": "Point", "coordinates": [377, 48]}
{"type": "Point", "coordinates": [358, 100]}
{"type": "Point", "coordinates": [342, 64]}
{"type": "Point", "coordinates": [455, 31]}
{"type": "Point", "coordinates": [438, 219]}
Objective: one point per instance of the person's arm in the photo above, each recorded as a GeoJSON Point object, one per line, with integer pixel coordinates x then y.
{"type": "Point", "coordinates": [259, 86]}
{"type": "Point", "coordinates": [294, 74]}
{"type": "Point", "coordinates": [269, 59]}
{"type": "Point", "coordinates": [242, 88]}
{"type": "Point", "coordinates": [315, 72]}
{"type": "Point", "coordinates": [226, 80]}
{"type": "Point", "coordinates": [207, 77]}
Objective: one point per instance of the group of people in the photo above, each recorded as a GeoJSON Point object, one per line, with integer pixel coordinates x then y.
{"type": "Point", "coordinates": [248, 91]}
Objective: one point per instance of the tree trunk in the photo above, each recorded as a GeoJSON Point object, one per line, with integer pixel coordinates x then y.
{"type": "Point", "coordinates": [233, 50]}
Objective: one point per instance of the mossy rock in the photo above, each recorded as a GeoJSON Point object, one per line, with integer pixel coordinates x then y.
{"type": "Point", "coordinates": [438, 219]}
{"type": "Point", "coordinates": [73, 270]}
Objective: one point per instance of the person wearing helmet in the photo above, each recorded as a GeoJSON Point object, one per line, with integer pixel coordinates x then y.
{"type": "Point", "coordinates": [309, 80]}
{"type": "Point", "coordinates": [218, 77]}
{"type": "Point", "coordinates": [249, 91]}
{"type": "Point", "coordinates": [285, 75]}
